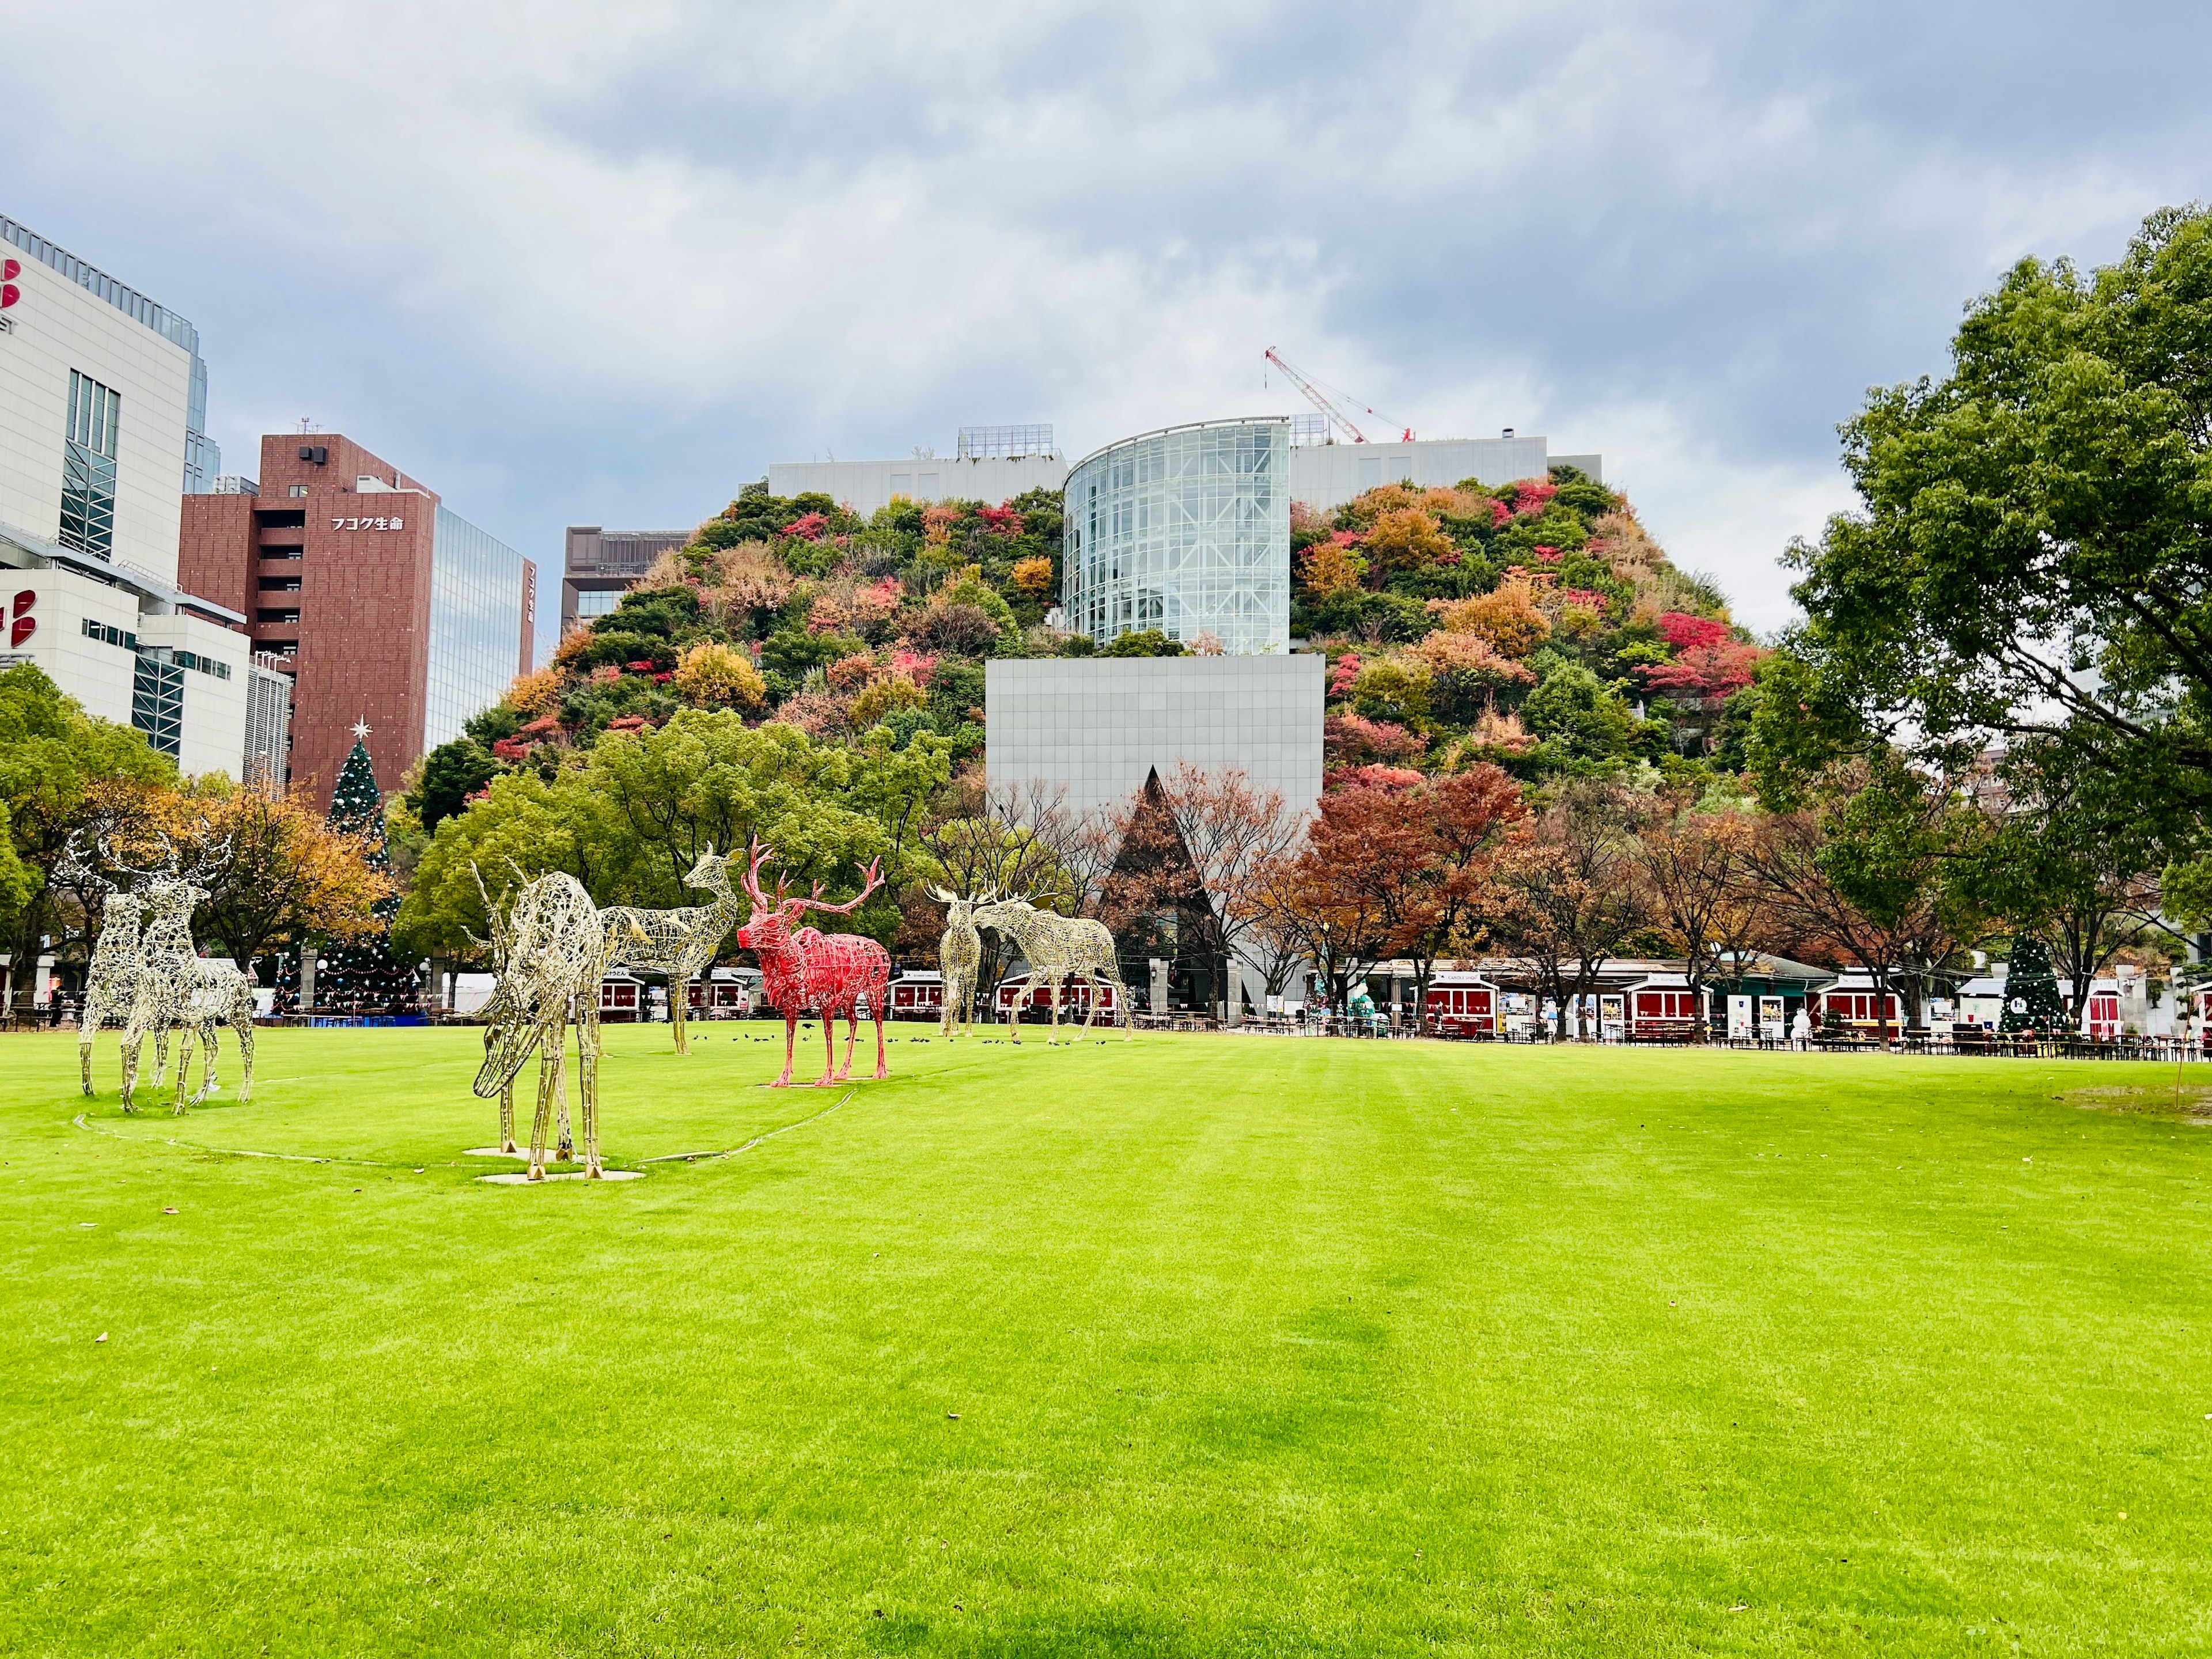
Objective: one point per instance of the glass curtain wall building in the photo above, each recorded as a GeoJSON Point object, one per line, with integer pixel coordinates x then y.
{"type": "Point", "coordinates": [1187, 531]}
{"type": "Point", "coordinates": [88, 467]}
{"type": "Point", "coordinates": [476, 599]}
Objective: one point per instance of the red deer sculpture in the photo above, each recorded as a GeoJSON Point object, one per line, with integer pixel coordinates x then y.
{"type": "Point", "coordinates": [805, 971]}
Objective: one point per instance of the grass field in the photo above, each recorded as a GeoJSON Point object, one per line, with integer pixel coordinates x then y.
{"type": "Point", "coordinates": [1188, 1345]}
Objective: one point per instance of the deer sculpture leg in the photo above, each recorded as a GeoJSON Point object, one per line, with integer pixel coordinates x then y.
{"type": "Point", "coordinates": [204, 1025]}
{"type": "Point", "coordinates": [1014, 1013]}
{"type": "Point", "coordinates": [948, 1017]}
{"type": "Point", "coordinates": [551, 1086]}
{"type": "Point", "coordinates": [679, 999]}
{"type": "Point", "coordinates": [184, 1035]}
{"type": "Point", "coordinates": [241, 1021]}
{"type": "Point", "coordinates": [790, 1042]}
{"type": "Point", "coordinates": [879, 1000]}
{"type": "Point", "coordinates": [130, 1058]}
{"type": "Point", "coordinates": [587, 1087]}
{"type": "Point", "coordinates": [507, 1115]}
{"type": "Point", "coordinates": [134, 1044]}
{"type": "Point", "coordinates": [87, 1027]}
{"type": "Point", "coordinates": [852, 1034]}
{"type": "Point", "coordinates": [828, 1047]}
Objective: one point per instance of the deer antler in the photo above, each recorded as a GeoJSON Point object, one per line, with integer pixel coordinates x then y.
{"type": "Point", "coordinates": [497, 945]}
{"type": "Point", "coordinates": [212, 860]}
{"type": "Point", "coordinates": [757, 857]}
{"type": "Point", "coordinates": [73, 866]}
{"type": "Point", "coordinates": [871, 879]}
{"type": "Point", "coordinates": [940, 895]}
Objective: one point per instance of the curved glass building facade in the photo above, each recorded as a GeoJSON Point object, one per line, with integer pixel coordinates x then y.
{"type": "Point", "coordinates": [1188, 530]}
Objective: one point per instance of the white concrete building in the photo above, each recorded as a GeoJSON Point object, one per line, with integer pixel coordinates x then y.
{"type": "Point", "coordinates": [1322, 475]}
{"type": "Point", "coordinates": [102, 417]}
{"type": "Point", "coordinates": [137, 653]}
{"type": "Point", "coordinates": [1096, 728]}
{"type": "Point", "coordinates": [1327, 476]}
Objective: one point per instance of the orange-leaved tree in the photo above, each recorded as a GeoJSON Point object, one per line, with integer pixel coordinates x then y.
{"type": "Point", "coordinates": [281, 873]}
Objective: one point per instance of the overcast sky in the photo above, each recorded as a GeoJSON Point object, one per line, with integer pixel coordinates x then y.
{"type": "Point", "coordinates": [601, 265]}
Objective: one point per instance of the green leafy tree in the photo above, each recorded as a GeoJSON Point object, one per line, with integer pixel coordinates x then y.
{"type": "Point", "coordinates": [53, 759]}
{"type": "Point", "coordinates": [1144, 642]}
{"type": "Point", "coordinates": [1872, 864]}
{"type": "Point", "coordinates": [630, 821]}
{"type": "Point", "coordinates": [450, 773]}
{"type": "Point", "coordinates": [2073, 863]}
{"type": "Point", "coordinates": [16, 882]}
{"type": "Point", "coordinates": [1575, 709]}
{"type": "Point", "coordinates": [2033, 554]}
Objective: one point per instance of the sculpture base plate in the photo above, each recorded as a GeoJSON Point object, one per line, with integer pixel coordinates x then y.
{"type": "Point", "coordinates": [517, 1178]}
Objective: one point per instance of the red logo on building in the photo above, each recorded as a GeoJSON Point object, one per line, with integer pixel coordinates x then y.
{"type": "Point", "coordinates": [24, 624]}
{"type": "Point", "coordinates": [10, 271]}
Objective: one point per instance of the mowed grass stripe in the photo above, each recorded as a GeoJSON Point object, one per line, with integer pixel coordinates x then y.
{"type": "Point", "coordinates": [1256, 1346]}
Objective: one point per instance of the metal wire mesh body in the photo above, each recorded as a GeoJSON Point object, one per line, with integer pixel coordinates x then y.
{"type": "Point", "coordinates": [110, 979]}
{"type": "Point", "coordinates": [1058, 948]}
{"type": "Point", "coordinates": [551, 945]}
{"type": "Point", "coordinates": [677, 942]}
{"type": "Point", "coordinates": [959, 959]}
{"type": "Point", "coordinates": [176, 987]}
{"type": "Point", "coordinates": [805, 971]}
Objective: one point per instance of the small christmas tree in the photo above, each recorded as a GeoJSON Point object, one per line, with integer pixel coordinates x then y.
{"type": "Point", "coordinates": [360, 975]}
{"type": "Point", "coordinates": [2031, 1002]}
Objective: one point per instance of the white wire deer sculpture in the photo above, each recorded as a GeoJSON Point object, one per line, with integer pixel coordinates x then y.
{"type": "Point", "coordinates": [111, 977]}
{"type": "Point", "coordinates": [495, 1006]}
{"type": "Point", "coordinates": [805, 971]}
{"type": "Point", "coordinates": [552, 955]}
{"type": "Point", "coordinates": [680, 942]}
{"type": "Point", "coordinates": [959, 960]}
{"type": "Point", "coordinates": [177, 988]}
{"type": "Point", "coordinates": [1058, 948]}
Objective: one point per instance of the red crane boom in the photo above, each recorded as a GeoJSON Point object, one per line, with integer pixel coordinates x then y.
{"type": "Point", "coordinates": [1330, 401]}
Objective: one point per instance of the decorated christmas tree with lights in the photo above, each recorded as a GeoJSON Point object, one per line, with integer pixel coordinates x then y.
{"type": "Point", "coordinates": [2031, 991]}
{"type": "Point", "coordinates": [360, 975]}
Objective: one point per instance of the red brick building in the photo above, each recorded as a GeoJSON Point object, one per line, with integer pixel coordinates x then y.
{"type": "Point", "coordinates": [389, 609]}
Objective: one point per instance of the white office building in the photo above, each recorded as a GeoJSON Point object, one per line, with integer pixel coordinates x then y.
{"type": "Point", "coordinates": [103, 403]}
{"type": "Point", "coordinates": [1322, 475]}
{"type": "Point", "coordinates": [1090, 730]}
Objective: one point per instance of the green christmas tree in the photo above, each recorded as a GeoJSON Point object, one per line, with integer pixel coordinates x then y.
{"type": "Point", "coordinates": [360, 975]}
{"type": "Point", "coordinates": [2031, 1002]}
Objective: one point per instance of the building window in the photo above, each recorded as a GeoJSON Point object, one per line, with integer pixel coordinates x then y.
{"type": "Point", "coordinates": [109, 633]}
{"type": "Point", "coordinates": [296, 489]}
{"type": "Point", "coordinates": [88, 467]}
{"type": "Point", "coordinates": [600, 604]}
{"type": "Point", "coordinates": [157, 703]}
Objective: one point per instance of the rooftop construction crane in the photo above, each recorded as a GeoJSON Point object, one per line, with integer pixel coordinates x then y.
{"type": "Point", "coordinates": [1330, 400]}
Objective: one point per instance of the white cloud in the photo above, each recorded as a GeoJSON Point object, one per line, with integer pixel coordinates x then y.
{"type": "Point", "coordinates": [1676, 238]}
{"type": "Point", "coordinates": [1715, 515]}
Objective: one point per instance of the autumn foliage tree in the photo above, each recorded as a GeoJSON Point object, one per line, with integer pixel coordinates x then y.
{"type": "Point", "coordinates": [1570, 893]}
{"type": "Point", "coordinates": [282, 873]}
{"type": "Point", "coordinates": [1696, 868]}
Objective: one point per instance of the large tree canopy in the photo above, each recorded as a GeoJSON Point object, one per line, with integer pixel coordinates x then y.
{"type": "Point", "coordinates": [2031, 566]}
{"type": "Point", "coordinates": [52, 755]}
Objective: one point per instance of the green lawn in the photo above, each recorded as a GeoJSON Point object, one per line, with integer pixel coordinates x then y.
{"type": "Point", "coordinates": [1188, 1345]}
